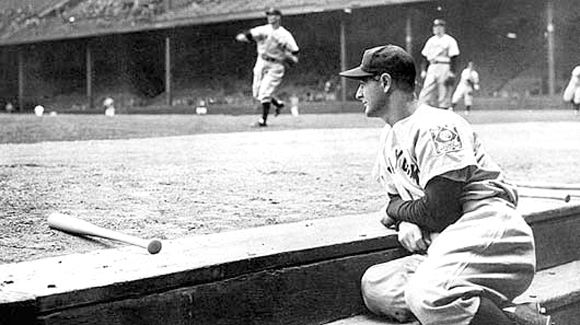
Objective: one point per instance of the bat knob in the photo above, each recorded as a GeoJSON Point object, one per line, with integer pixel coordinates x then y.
{"type": "Point", "coordinates": [154, 246]}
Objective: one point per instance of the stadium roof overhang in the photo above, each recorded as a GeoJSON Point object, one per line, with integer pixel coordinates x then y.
{"type": "Point", "coordinates": [56, 29]}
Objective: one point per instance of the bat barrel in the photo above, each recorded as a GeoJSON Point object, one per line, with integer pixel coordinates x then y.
{"type": "Point", "coordinates": [77, 226]}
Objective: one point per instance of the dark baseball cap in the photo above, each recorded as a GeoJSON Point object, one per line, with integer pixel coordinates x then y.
{"type": "Point", "coordinates": [387, 58]}
{"type": "Point", "coordinates": [273, 11]}
{"type": "Point", "coordinates": [438, 22]}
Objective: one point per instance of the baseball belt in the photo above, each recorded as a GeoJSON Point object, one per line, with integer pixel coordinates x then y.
{"type": "Point", "coordinates": [270, 59]}
{"type": "Point", "coordinates": [439, 62]}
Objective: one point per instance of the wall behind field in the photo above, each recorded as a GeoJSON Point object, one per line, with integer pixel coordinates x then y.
{"type": "Point", "coordinates": [208, 63]}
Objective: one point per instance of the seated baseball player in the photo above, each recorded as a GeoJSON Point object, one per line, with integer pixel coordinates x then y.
{"type": "Point", "coordinates": [449, 202]}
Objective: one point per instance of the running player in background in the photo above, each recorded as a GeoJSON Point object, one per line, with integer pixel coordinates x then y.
{"type": "Point", "coordinates": [276, 49]}
{"type": "Point", "coordinates": [438, 71]}
{"type": "Point", "coordinates": [468, 83]}
{"type": "Point", "coordinates": [572, 91]}
{"type": "Point", "coordinates": [473, 253]}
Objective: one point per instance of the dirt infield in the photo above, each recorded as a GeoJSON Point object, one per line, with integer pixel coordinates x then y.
{"type": "Point", "coordinates": [177, 186]}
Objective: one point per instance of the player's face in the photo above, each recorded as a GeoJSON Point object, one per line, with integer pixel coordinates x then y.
{"type": "Point", "coordinates": [273, 19]}
{"type": "Point", "coordinates": [373, 97]}
{"type": "Point", "coordinates": [438, 30]}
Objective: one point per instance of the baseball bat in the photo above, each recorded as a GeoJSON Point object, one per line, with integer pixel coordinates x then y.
{"type": "Point", "coordinates": [563, 197]}
{"type": "Point", "coordinates": [549, 186]}
{"type": "Point", "coordinates": [77, 226]}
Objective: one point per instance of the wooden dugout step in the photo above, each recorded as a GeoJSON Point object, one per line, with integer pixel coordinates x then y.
{"type": "Point", "coordinates": [301, 273]}
{"type": "Point", "coordinates": [557, 289]}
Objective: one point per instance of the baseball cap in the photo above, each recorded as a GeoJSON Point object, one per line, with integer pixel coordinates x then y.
{"type": "Point", "coordinates": [438, 22]}
{"type": "Point", "coordinates": [273, 11]}
{"type": "Point", "coordinates": [387, 58]}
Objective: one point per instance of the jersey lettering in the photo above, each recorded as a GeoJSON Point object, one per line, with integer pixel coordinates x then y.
{"type": "Point", "coordinates": [403, 163]}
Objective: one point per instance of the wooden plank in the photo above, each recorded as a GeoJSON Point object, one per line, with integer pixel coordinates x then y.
{"type": "Point", "coordinates": [16, 307]}
{"type": "Point", "coordinates": [66, 281]}
{"type": "Point", "coordinates": [116, 274]}
{"type": "Point", "coordinates": [556, 287]}
{"type": "Point", "coordinates": [557, 241]}
{"type": "Point", "coordinates": [306, 294]}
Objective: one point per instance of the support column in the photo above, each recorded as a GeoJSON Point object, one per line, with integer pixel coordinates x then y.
{"type": "Point", "coordinates": [343, 54]}
{"type": "Point", "coordinates": [551, 46]}
{"type": "Point", "coordinates": [20, 80]}
{"type": "Point", "coordinates": [168, 94]}
{"type": "Point", "coordinates": [89, 75]}
{"type": "Point", "coordinates": [409, 32]}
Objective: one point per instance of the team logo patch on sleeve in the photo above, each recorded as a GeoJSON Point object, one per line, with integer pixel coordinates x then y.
{"type": "Point", "coordinates": [446, 139]}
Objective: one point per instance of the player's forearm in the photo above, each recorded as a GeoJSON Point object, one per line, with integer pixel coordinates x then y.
{"type": "Point", "coordinates": [435, 211]}
{"type": "Point", "coordinates": [245, 36]}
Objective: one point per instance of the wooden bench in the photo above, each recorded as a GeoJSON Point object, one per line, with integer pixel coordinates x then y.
{"type": "Point", "coordinates": [301, 273]}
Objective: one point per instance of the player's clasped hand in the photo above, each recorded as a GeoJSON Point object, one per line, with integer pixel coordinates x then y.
{"type": "Point", "coordinates": [411, 237]}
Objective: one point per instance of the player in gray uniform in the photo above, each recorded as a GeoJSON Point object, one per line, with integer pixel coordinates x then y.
{"type": "Point", "coordinates": [276, 48]}
{"type": "Point", "coordinates": [449, 202]}
{"type": "Point", "coordinates": [439, 68]}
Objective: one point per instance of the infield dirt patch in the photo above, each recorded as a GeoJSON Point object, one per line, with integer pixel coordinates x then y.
{"type": "Point", "coordinates": [173, 187]}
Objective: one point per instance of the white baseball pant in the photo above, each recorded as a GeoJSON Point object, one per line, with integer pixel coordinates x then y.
{"type": "Point", "coordinates": [267, 77]}
{"type": "Point", "coordinates": [435, 91]}
{"type": "Point", "coordinates": [464, 91]}
{"type": "Point", "coordinates": [489, 251]}
{"type": "Point", "coordinates": [572, 93]}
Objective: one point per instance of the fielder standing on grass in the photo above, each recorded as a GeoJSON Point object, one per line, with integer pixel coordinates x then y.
{"type": "Point", "coordinates": [276, 48]}
{"type": "Point", "coordinates": [468, 84]}
{"type": "Point", "coordinates": [572, 91]}
{"type": "Point", "coordinates": [440, 53]}
{"type": "Point", "coordinates": [472, 251]}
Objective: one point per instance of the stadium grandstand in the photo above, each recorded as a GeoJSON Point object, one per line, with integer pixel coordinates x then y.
{"type": "Point", "coordinates": [73, 53]}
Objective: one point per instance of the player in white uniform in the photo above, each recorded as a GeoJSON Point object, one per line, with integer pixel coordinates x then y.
{"type": "Point", "coordinates": [276, 47]}
{"type": "Point", "coordinates": [472, 252]}
{"type": "Point", "coordinates": [572, 91]}
{"type": "Point", "coordinates": [440, 53]}
{"type": "Point", "coordinates": [468, 83]}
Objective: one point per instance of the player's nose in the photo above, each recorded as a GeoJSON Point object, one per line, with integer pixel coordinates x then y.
{"type": "Point", "coordinates": [359, 94]}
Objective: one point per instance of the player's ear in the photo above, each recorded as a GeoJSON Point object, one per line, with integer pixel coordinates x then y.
{"type": "Point", "coordinates": [386, 81]}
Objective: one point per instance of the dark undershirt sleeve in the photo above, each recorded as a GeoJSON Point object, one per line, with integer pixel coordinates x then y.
{"type": "Point", "coordinates": [248, 35]}
{"type": "Point", "coordinates": [453, 64]}
{"type": "Point", "coordinates": [439, 208]}
{"type": "Point", "coordinates": [424, 64]}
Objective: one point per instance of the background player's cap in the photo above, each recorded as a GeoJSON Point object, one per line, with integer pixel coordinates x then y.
{"type": "Point", "coordinates": [388, 58]}
{"type": "Point", "coordinates": [438, 22]}
{"type": "Point", "coordinates": [273, 11]}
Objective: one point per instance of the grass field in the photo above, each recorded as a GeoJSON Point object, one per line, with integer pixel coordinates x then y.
{"type": "Point", "coordinates": [173, 176]}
